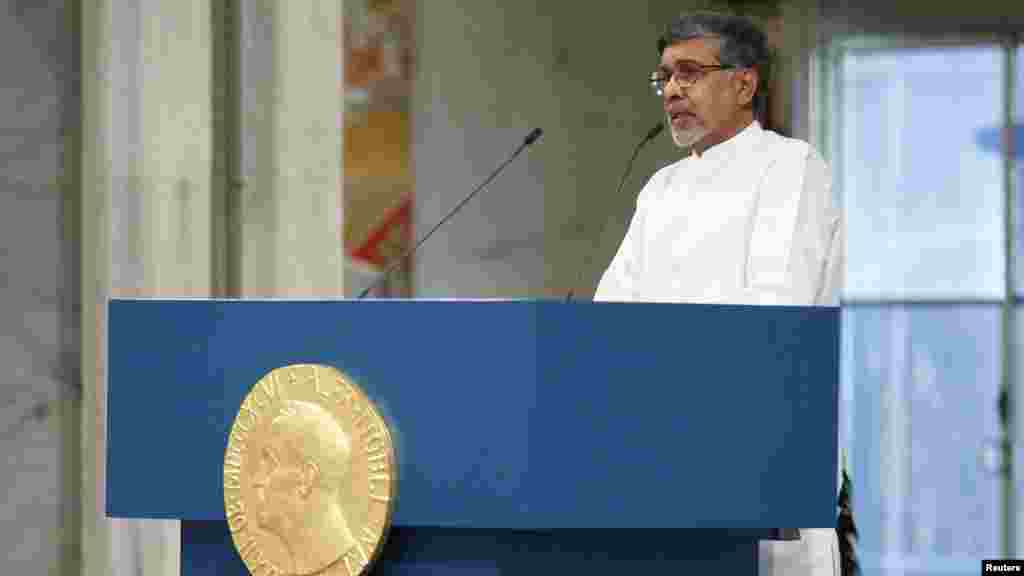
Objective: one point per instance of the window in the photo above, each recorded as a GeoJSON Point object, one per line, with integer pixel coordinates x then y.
{"type": "Point", "coordinates": [915, 139]}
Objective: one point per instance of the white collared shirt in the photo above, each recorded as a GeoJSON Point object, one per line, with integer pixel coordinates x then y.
{"type": "Point", "coordinates": [699, 224]}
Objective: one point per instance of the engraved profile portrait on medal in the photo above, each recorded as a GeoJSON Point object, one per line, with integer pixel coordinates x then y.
{"type": "Point", "coordinates": [309, 475]}
{"type": "Point", "coordinates": [302, 467]}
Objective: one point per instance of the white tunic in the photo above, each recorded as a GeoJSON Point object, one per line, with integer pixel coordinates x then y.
{"type": "Point", "coordinates": [750, 221]}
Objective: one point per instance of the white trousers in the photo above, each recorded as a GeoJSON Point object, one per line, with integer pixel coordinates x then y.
{"type": "Point", "coordinates": [816, 553]}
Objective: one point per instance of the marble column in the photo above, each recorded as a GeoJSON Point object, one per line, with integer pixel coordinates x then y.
{"type": "Point", "coordinates": [40, 392]}
{"type": "Point", "coordinates": [165, 214]}
{"type": "Point", "coordinates": [147, 196]}
{"type": "Point", "coordinates": [289, 207]}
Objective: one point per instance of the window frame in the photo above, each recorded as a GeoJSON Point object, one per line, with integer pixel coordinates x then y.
{"type": "Point", "coordinates": [825, 64]}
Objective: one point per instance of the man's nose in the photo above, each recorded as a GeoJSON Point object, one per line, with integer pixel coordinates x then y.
{"type": "Point", "coordinates": [672, 89]}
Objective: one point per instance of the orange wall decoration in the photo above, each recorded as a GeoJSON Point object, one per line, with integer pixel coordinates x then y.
{"type": "Point", "coordinates": [377, 147]}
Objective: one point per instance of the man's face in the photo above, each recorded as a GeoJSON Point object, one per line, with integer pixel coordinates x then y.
{"type": "Point", "coordinates": [708, 107]}
{"type": "Point", "coordinates": [278, 488]}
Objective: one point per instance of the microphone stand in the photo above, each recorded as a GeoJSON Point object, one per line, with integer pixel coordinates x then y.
{"type": "Point", "coordinates": [532, 137]}
{"type": "Point", "coordinates": [651, 134]}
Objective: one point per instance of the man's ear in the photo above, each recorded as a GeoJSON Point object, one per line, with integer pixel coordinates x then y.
{"type": "Point", "coordinates": [310, 476]}
{"type": "Point", "coordinates": [747, 81]}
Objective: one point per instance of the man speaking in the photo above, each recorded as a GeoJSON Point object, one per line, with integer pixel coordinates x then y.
{"type": "Point", "coordinates": [746, 217]}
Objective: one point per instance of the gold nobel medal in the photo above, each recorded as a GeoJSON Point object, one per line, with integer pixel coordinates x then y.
{"type": "Point", "coordinates": [309, 475]}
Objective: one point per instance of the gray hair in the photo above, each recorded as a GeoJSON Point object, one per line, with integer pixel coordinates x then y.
{"type": "Point", "coordinates": [742, 44]}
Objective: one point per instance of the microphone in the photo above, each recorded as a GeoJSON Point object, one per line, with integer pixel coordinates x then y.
{"type": "Point", "coordinates": [532, 137]}
{"type": "Point", "coordinates": [651, 135]}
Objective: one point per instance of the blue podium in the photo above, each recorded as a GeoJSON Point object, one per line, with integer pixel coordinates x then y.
{"type": "Point", "coordinates": [532, 436]}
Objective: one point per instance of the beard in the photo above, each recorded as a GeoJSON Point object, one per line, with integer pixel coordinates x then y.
{"type": "Point", "coordinates": [687, 137]}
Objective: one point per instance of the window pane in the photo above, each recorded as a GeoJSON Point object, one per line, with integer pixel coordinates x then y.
{"type": "Point", "coordinates": [923, 198]}
{"type": "Point", "coordinates": [921, 386]}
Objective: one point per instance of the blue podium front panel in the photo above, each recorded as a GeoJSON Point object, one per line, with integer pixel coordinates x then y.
{"type": "Point", "coordinates": [508, 415]}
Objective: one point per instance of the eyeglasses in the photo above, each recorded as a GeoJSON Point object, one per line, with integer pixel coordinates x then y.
{"type": "Point", "coordinates": [685, 74]}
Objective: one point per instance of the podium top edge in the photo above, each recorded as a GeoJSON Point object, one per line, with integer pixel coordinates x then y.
{"type": "Point", "coordinates": [552, 301]}
{"type": "Point", "coordinates": [315, 299]}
